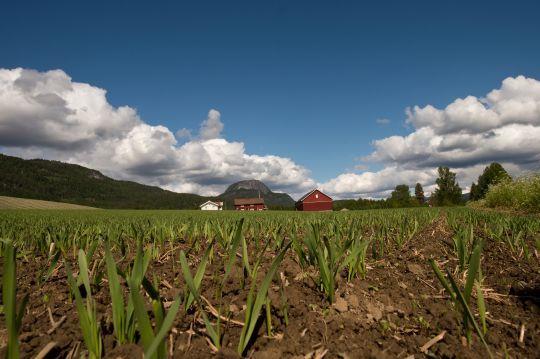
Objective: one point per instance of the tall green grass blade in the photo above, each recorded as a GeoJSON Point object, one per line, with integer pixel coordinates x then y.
{"type": "Point", "coordinates": [164, 328]}
{"type": "Point", "coordinates": [9, 297]}
{"type": "Point", "coordinates": [245, 257]}
{"type": "Point", "coordinates": [481, 307]}
{"type": "Point", "coordinates": [83, 272]}
{"type": "Point", "coordinates": [233, 248]}
{"type": "Point", "coordinates": [253, 308]}
{"type": "Point", "coordinates": [268, 308]}
{"type": "Point", "coordinates": [474, 266]}
{"type": "Point", "coordinates": [442, 280]}
{"type": "Point", "coordinates": [44, 276]}
{"type": "Point", "coordinates": [87, 313]}
{"type": "Point", "coordinates": [199, 276]}
{"type": "Point", "coordinates": [119, 311]}
{"type": "Point", "coordinates": [212, 333]}
{"type": "Point", "coordinates": [468, 313]}
{"type": "Point", "coordinates": [143, 321]}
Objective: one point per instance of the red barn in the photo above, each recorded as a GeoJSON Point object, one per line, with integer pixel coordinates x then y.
{"type": "Point", "coordinates": [314, 201]}
{"type": "Point", "coordinates": [249, 204]}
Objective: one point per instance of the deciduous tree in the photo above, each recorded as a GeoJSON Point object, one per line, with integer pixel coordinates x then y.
{"type": "Point", "coordinates": [401, 197]}
{"type": "Point", "coordinates": [493, 174]}
{"type": "Point", "coordinates": [419, 193]}
{"type": "Point", "coordinates": [448, 191]}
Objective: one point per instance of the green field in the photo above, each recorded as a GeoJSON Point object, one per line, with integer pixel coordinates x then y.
{"type": "Point", "coordinates": [270, 284]}
{"type": "Point", "coordinates": [23, 203]}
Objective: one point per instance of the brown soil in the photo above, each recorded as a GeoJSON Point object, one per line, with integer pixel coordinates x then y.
{"type": "Point", "coordinates": [391, 314]}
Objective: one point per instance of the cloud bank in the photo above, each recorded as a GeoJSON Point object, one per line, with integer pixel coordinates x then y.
{"type": "Point", "coordinates": [47, 115]}
{"type": "Point", "coordinates": [468, 134]}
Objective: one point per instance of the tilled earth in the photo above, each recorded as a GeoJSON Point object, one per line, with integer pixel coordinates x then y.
{"type": "Point", "coordinates": [392, 313]}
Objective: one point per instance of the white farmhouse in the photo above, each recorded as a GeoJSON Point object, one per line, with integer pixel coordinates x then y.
{"type": "Point", "coordinates": [211, 206]}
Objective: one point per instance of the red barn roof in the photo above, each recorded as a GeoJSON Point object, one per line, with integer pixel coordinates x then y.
{"type": "Point", "coordinates": [304, 197]}
{"type": "Point", "coordinates": [248, 201]}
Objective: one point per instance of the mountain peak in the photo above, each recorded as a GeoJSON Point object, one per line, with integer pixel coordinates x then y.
{"type": "Point", "coordinates": [253, 188]}
{"type": "Point", "coordinates": [250, 185]}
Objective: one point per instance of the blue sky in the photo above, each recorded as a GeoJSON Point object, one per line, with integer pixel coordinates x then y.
{"type": "Point", "coordinates": [305, 80]}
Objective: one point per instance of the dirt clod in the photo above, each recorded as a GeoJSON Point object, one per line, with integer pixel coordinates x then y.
{"type": "Point", "coordinates": [341, 305]}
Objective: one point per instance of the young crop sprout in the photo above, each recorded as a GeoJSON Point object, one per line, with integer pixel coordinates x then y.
{"type": "Point", "coordinates": [214, 333]}
{"type": "Point", "coordinates": [9, 294]}
{"type": "Point", "coordinates": [356, 259]}
{"type": "Point", "coordinates": [379, 244]}
{"type": "Point", "coordinates": [327, 256]}
{"type": "Point", "coordinates": [154, 343]}
{"type": "Point", "coordinates": [123, 316]}
{"type": "Point", "coordinates": [246, 268]}
{"type": "Point", "coordinates": [297, 247]}
{"type": "Point", "coordinates": [233, 263]}
{"type": "Point", "coordinates": [47, 271]}
{"type": "Point", "coordinates": [284, 303]}
{"type": "Point", "coordinates": [197, 280]}
{"type": "Point", "coordinates": [87, 312]}
{"type": "Point", "coordinates": [462, 240]}
{"type": "Point", "coordinates": [463, 298]}
{"type": "Point", "coordinates": [256, 300]}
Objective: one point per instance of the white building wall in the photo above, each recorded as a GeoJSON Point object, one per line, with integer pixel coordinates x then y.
{"type": "Point", "coordinates": [210, 207]}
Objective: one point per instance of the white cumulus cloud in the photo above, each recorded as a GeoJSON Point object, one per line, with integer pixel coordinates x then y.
{"type": "Point", "coordinates": [184, 133]}
{"type": "Point", "coordinates": [48, 115]}
{"type": "Point", "coordinates": [212, 126]}
{"type": "Point", "coordinates": [468, 134]}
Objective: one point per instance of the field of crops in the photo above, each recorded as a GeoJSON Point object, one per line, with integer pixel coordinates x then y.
{"type": "Point", "coordinates": [405, 283]}
{"type": "Point", "coordinates": [24, 203]}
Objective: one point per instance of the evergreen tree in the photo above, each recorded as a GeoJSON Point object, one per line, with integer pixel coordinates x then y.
{"type": "Point", "coordinates": [473, 195]}
{"type": "Point", "coordinates": [400, 197]}
{"type": "Point", "coordinates": [493, 174]}
{"type": "Point", "coordinates": [419, 193]}
{"type": "Point", "coordinates": [448, 191]}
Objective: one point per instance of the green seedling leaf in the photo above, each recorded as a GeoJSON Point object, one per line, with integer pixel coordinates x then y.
{"type": "Point", "coordinates": [143, 321]}
{"type": "Point", "coordinates": [44, 276]}
{"type": "Point", "coordinates": [233, 248]}
{"type": "Point", "coordinates": [214, 336]}
{"type": "Point", "coordinates": [87, 314]}
{"type": "Point", "coordinates": [119, 311]}
{"type": "Point", "coordinates": [9, 296]}
{"type": "Point", "coordinates": [199, 276]}
{"type": "Point", "coordinates": [245, 257]}
{"type": "Point", "coordinates": [253, 307]}
{"type": "Point", "coordinates": [83, 272]}
{"type": "Point", "coordinates": [442, 280]}
{"type": "Point", "coordinates": [481, 307]}
{"type": "Point", "coordinates": [163, 329]}
{"type": "Point", "coordinates": [474, 266]}
{"type": "Point", "coordinates": [467, 311]}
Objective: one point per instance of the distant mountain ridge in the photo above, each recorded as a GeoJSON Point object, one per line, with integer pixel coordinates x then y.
{"type": "Point", "coordinates": [69, 183]}
{"type": "Point", "coordinates": [249, 185]}
{"type": "Point", "coordinates": [252, 189]}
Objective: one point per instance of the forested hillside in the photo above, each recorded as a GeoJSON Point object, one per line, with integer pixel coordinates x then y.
{"type": "Point", "coordinates": [63, 182]}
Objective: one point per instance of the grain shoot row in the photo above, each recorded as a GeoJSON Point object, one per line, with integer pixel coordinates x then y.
{"type": "Point", "coordinates": [192, 284]}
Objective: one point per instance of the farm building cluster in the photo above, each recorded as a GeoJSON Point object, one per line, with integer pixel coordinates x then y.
{"type": "Point", "coordinates": [314, 200]}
